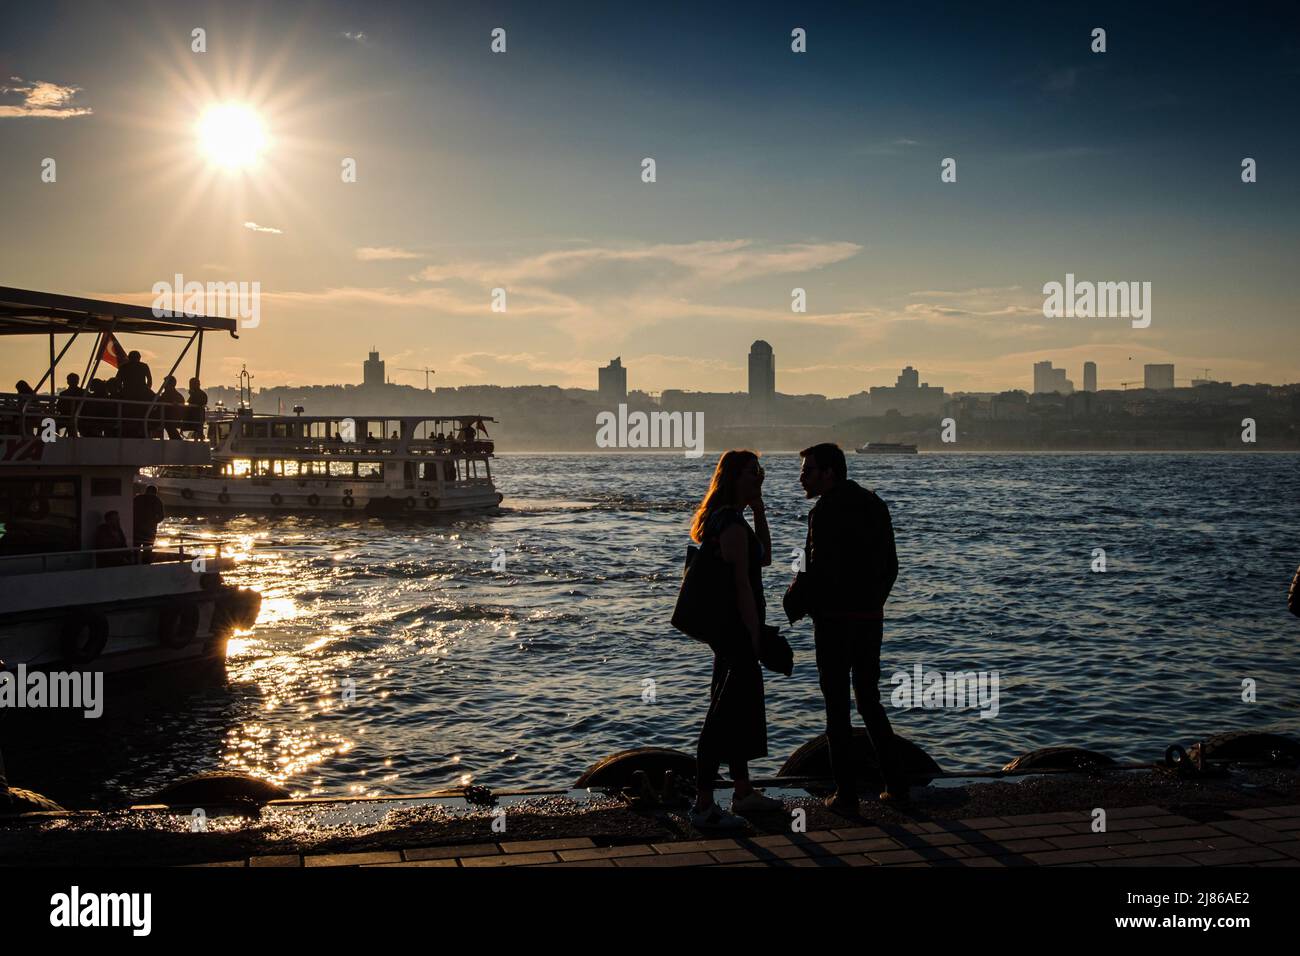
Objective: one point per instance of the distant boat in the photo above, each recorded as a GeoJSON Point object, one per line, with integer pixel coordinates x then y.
{"type": "Point", "coordinates": [886, 448]}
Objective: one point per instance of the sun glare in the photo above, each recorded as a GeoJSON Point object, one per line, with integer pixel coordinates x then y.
{"type": "Point", "coordinates": [231, 135]}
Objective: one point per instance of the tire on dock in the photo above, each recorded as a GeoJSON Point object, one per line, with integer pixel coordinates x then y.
{"type": "Point", "coordinates": [813, 759]}
{"type": "Point", "coordinates": [1249, 746]}
{"type": "Point", "coordinates": [220, 788]}
{"type": "Point", "coordinates": [1061, 758]}
{"type": "Point", "coordinates": [616, 770]}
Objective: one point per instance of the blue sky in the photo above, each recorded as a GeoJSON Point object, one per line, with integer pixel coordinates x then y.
{"type": "Point", "coordinates": [775, 170]}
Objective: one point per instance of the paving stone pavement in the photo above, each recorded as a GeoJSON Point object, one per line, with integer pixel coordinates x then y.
{"type": "Point", "coordinates": [1134, 836]}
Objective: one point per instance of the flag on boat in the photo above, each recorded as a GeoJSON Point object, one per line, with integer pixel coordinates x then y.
{"type": "Point", "coordinates": [111, 352]}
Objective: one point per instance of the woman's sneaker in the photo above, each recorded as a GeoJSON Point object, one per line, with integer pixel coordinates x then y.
{"type": "Point", "coordinates": [756, 802]}
{"type": "Point", "coordinates": [713, 817]}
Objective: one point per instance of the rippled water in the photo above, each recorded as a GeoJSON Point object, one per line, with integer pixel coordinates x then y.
{"type": "Point", "coordinates": [526, 676]}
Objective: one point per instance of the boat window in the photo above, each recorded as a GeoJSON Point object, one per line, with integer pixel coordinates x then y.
{"type": "Point", "coordinates": [223, 430]}
{"type": "Point", "coordinates": [291, 469]}
{"type": "Point", "coordinates": [372, 470]}
{"type": "Point", "coordinates": [375, 430]}
{"type": "Point", "coordinates": [239, 467]}
{"type": "Point", "coordinates": [38, 515]}
{"type": "Point", "coordinates": [341, 469]}
{"type": "Point", "coordinates": [246, 429]}
{"type": "Point", "coordinates": [280, 429]}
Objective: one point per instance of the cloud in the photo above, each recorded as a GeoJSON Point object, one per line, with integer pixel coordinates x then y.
{"type": "Point", "coordinates": [41, 99]}
{"type": "Point", "coordinates": [384, 253]}
{"type": "Point", "coordinates": [355, 37]}
{"type": "Point", "coordinates": [256, 228]}
{"type": "Point", "coordinates": [715, 261]}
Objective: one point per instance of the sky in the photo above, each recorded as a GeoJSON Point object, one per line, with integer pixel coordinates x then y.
{"type": "Point", "coordinates": [774, 170]}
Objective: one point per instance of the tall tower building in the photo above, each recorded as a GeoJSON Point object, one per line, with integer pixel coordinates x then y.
{"type": "Point", "coordinates": [762, 373]}
{"type": "Point", "coordinates": [372, 372]}
{"type": "Point", "coordinates": [612, 382]}
{"type": "Point", "coordinates": [1090, 376]}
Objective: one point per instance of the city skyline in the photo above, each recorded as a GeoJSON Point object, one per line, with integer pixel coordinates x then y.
{"type": "Point", "coordinates": [475, 172]}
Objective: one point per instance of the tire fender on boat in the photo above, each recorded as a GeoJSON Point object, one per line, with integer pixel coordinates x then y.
{"type": "Point", "coordinates": [348, 500]}
{"type": "Point", "coordinates": [277, 499]}
{"type": "Point", "coordinates": [313, 499]}
{"type": "Point", "coordinates": [224, 498]}
{"type": "Point", "coordinates": [431, 503]}
{"type": "Point", "coordinates": [187, 493]}
{"type": "Point", "coordinates": [409, 503]}
{"type": "Point", "coordinates": [178, 622]}
{"type": "Point", "coordinates": [95, 628]}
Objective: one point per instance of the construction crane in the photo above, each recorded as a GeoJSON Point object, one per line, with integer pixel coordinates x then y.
{"type": "Point", "coordinates": [427, 372]}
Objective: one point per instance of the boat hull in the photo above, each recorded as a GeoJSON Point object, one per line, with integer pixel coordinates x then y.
{"type": "Point", "coordinates": [293, 496]}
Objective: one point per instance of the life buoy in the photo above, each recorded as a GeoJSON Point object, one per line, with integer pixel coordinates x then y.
{"type": "Point", "coordinates": [187, 493]}
{"type": "Point", "coordinates": [408, 504]}
{"type": "Point", "coordinates": [84, 637]}
{"type": "Point", "coordinates": [431, 502]}
{"type": "Point", "coordinates": [277, 499]}
{"type": "Point", "coordinates": [348, 501]}
{"type": "Point", "coordinates": [224, 498]}
{"type": "Point", "coordinates": [500, 497]}
{"type": "Point", "coordinates": [178, 622]}
{"type": "Point", "coordinates": [313, 499]}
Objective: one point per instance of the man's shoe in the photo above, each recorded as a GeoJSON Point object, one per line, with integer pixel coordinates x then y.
{"type": "Point", "coordinates": [756, 802]}
{"type": "Point", "coordinates": [896, 797]}
{"type": "Point", "coordinates": [713, 817]}
{"type": "Point", "coordinates": [842, 804]}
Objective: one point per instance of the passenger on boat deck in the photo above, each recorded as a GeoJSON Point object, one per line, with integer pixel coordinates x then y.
{"type": "Point", "coordinates": [147, 515]}
{"type": "Point", "coordinates": [68, 402]}
{"type": "Point", "coordinates": [99, 418]}
{"type": "Point", "coordinates": [136, 382]}
{"type": "Point", "coordinates": [173, 403]}
{"type": "Point", "coordinates": [197, 402]}
{"type": "Point", "coordinates": [110, 539]}
{"type": "Point", "coordinates": [29, 416]}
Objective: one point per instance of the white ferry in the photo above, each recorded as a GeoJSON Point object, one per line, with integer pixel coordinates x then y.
{"type": "Point", "coordinates": [67, 465]}
{"type": "Point", "coordinates": [374, 464]}
{"type": "Point", "coordinates": [886, 448]}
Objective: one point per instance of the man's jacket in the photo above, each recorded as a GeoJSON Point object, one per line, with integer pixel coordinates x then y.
{"type": "Point", "coordinates": [850, 556]}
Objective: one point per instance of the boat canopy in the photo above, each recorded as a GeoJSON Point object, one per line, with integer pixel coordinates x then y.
{"type": "Point", "coordinates": [24, 312]}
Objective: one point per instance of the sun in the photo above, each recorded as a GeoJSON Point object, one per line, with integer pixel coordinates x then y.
{"type": "Point", "coordinates": [231, 135]}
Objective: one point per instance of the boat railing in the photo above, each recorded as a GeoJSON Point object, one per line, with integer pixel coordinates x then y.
{"type": "Point", "coordinates": [98, 416]}
{"type": "Point", "coordinates": [253, 446]}
{"type": "Point", "coordinates": [194, 551]}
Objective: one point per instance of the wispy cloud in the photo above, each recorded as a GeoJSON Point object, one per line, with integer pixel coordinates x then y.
{"type": "Point", "coordinates": [384, 253]}
{"type": "Point", "coordinates": [355, 36]}
{"type": "Point", "coordinates": [254, 227]}
{"type": "Point", "coordinates": [41, 99]}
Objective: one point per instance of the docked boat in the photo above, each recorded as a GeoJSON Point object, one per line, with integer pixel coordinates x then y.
{"type": "Point", "coordinates": [371, 464]}
{"type": "Point", "coordinates": [77, 589]}
{"type": "Point", "coordinates": [886, 448]}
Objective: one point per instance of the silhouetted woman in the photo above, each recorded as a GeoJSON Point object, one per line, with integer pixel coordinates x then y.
{"type": "Point", "coordinates": [735, 729]}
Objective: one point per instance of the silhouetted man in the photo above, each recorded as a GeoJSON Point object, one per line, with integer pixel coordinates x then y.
{"type": "Point", "coordinates": [851, 568]}
{"type": "Point", "coordinates": [147, 514]}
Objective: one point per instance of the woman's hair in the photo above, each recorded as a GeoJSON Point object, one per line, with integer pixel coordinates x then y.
{"type": "Point", "coordinates": [722, 488]}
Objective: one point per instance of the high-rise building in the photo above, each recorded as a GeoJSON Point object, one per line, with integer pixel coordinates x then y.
{"type": "Point", "coordinates": [762, 373]}
{"type": "Point", "coordinates": [612, 381]}
{"type": "Point", "coordinates": [1158, 376]}
{"type": "Point", "coordinates": [1090, 376]}
{"type": "Point", "coordinates": [373, 370]}
{"type": "Point", "coordinates": [1048, 380]}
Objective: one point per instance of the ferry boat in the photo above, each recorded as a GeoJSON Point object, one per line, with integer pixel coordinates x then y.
{"type": "Point", "coordinates": [886, 448]}
{"type": "Point", "coordinates": [371, 464]}
{"type": "Point", "coordinates": [67, 464]}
